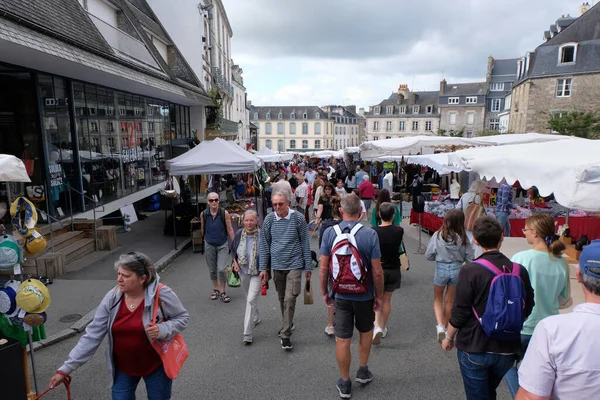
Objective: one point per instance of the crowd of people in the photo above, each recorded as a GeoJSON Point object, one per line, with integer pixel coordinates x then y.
{"type": "Point", "coordinates": [500, 314]}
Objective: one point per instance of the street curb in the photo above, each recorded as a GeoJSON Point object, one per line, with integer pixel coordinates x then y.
{"type": "Point", "coordinates": [79, 326]}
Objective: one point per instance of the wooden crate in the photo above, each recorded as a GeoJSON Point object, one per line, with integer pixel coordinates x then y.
{"type": "Point", "coordinates": [107, 237]}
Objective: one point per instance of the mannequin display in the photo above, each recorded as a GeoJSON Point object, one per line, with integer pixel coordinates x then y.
{"type": "Point", "coordinates": [417, 198]}
{"type": "Point", "coordinates": [388, 181]}
{"type": "Point", "coordinates": [454, 189]}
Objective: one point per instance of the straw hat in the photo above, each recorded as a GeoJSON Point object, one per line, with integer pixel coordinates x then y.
{"type": "Point", "coordinates": [36, 242]}
{"type": "Point", "coordinates": [33, 296]}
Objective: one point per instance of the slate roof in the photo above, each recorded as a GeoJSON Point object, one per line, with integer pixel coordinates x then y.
{"type": "Point", "coordinates": [585, 31]}
{"type": "Point", "coordinates": [286, 111]}
{"type": "Point", "coordinates": [505, 67]}
{"type": "Point", "coordinates": [64, 19]}
{"type": "Point", "coordinates": [423, 99]}
{"type": "Point", "coordinates": [466, 89]}
{"type": "Point", "coordinates": [148, 22]}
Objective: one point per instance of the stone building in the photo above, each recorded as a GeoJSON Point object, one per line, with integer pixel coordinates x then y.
{"type": "Point", "coordinates": [345, 126]}
{"type": "Point", "coordinates": [404, 113]}
{"type": "Point", "coordinates": [292, 128]}
{"type": "Point", "coordinates": [462, 107]}
{"type": "Point", "coordinates": [561, 75]}
{"type": "Point", "coordinates": [501, 75]}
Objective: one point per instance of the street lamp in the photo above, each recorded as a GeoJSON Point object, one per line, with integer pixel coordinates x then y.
{"type": "Point", "coordinates": [218, 99]}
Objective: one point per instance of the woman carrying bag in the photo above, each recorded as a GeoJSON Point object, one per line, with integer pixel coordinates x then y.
{"type": "Point", "coordinates": [245, 249]}
{"type": "Point", "coordinates": [129, 317]}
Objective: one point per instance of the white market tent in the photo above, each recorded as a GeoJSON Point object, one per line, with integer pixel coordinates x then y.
{"type": "Point", "coordinates": [352, 150]}
{"type": "Point", "coordinates": [568, 168]}
{"type": "Point", "coordinates": [216, 156]}
{"type": "Point", "coordinates": [268, 155]}
{"type": "Point", "coordinates": [326, 154]}
{"type": "Point", "coordinates": [438, 161]}
{"type": "Point", "coordinates": [12, 169]}
{"type": "Point", "coordinates": [414, 144]}
{"type": "Point", "coordinates": [520, 138]}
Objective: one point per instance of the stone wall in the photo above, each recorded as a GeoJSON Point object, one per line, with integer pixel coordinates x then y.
{"type": "Point", "coordinates": [461, 119]}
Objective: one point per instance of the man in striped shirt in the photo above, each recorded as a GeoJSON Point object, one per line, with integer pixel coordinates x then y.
{"type": "Point", "coordinates": [285, 248]}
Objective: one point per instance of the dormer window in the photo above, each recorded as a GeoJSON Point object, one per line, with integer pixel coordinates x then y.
{"type": "Point", "coordinates": [453, 100]}
{"type": "Point", "coordinates": [377, 110]}
{"type": "Point", "coordinates": [268, 116]}
{"type": "Point", "coordinates": [255, 115]}
{"type": "Point", "coordinates": [280, 116]}
{"type": "Point", "coordinates": [429, 109]}
{"type": "Point", "coordinates": [292, 116]}
{"type": "Point", "coordinates": [402, 109]}
{"type": "Point", "coordinates": [389, 110]}
{"type": "Point", "coordinates": [415, 109]}
{"type": "Point", "coordinates": [317, 115]}
{"type": "Point", "coordinates": [567, 53]}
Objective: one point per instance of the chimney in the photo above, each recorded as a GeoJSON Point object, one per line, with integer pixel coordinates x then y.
{"type": "Point", "coordinates": [490, 67]}
{"type": "Point", "coordinates": [443, 85]}
{"type": "Point", "coordinates": [414, 98]}
{"type": "Point", "coordinates": [249, 103]}
{"type": "Point", "coordinates": [584, 8]}
{"type": "Point", "coordinates": [403, 93]}
{"type": "Point", "coordinates": [361, 111]}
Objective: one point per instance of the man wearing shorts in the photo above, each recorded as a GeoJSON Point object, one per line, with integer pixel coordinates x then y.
{"type": "Point", "coordinates": [390, 243]}
{"type": "Point", "coordinates": [353, 309]}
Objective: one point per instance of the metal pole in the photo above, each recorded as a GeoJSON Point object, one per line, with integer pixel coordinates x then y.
{"type": "Point", "coordinates": [420, 249]}
{"type": "Point", "coordinates": [70, 206]}
{"type": "Point", "coordinates": [30, 338]}
{"type": "Point", "coordinates": [174, 228]}
{"type": "Point", "coordinates": [95, 227]}
{"type": "Point", "coordinates": [47, 194]}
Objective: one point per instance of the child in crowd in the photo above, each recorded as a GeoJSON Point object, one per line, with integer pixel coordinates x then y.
{"type": "Point", "coordinates": [449, 247]}
{"type": "Point", "coordinates": [339, 189]}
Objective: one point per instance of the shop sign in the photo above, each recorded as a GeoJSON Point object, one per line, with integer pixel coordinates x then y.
{"type": "Point", "coordinates": [389, 165]}
{"type": "Point", "coordinates": [56, 178]}
{"type": "Point", "coordinates": [130, 155]}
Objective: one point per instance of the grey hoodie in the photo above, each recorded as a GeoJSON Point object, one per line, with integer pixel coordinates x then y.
{"type": "Point", "coordinates": [176, 320]}
{"type": "Point", "coordinates": [440, 250]}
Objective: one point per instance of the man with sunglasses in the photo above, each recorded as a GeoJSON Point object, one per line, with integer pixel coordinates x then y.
{"type": "Point", "coordinates": [216, 225]}
{"type": "Point", "coordinates": [285, 248]}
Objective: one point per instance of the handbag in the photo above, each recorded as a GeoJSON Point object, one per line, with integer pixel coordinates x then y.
{"type": "Point", "coordinates": [474, 211]}
{"type": "Point", "coordinates": [173, 352]}
{"type": "Point", "coordinates": [404, 261]}
{"type": "Point", "coordinates": [308, 293]}
{"type": "Point", "coordinates": [234, 279]}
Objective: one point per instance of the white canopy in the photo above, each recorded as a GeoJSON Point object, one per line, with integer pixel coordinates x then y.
{"type": "Point", "coordinates": [568, 168]}
{"type": "Point", "coordinates": [439, 162]}
{"type": "Point", "coordinates": [352, 149]}
{"type": "Point", "coordinates": [12, 169]}
{"type": "Point", "coordinates": [326, 154]}
{"type": "Point", "coordinates": [414, 144]}
{"type": "Point", "coordinates": [268, 155]}
{"type": "Point", "coordinates": [520, 138]}
{"type": "Point", "coordinates": [216, 156]}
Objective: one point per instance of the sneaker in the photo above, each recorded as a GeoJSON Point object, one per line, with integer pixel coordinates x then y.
{"type": "Point", "coordinates": [247, 341]}
{"type": "Point", "coordinates": [441, 332]}
{"type": "Point", "coordinates": [256, 323]}
{"type": "Point", "coordinates": [286, 344]}
{"type": "Point", "coordinates": [363, 375]}
{"type": "Point", "coordinates": [293, 327]}
{"type": "Point", "coordinates": [384, 332]}
{"type": "Point", "coordinates": [344, 388]}
{"type": "Point", "coordinates": [377, 333]}
{"type": "Point", "coordinates": [329, 330]}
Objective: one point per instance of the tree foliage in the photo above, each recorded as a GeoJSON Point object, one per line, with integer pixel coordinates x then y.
{"type": "Point", "coordinates": [576, 123]}
{"type": "Point", "coordinates": [451, 132]}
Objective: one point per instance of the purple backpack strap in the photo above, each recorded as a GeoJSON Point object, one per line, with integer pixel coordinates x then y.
{"type": "Point", "coordinates": [516, 270]}
{"type": "Point", "coordinates": [489, 266]}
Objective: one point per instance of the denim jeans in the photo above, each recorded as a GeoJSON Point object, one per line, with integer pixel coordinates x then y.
{"type": "Point", "coordinates": [446, 273]}
{"type": "Point", "coordinates": [483, 372]}
{"type": "Point", "coordinates": [512, 376]}
{"type": "Point", "coordinates": [502, 217]}
{"type": "Point", "coordinates": [158, 385]}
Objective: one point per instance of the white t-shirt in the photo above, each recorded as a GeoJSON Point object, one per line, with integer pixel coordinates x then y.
{"type": "Point", "coordinates": [562, 358]}
{"type": "Point", "coordinates": [340, 191]}
{"type": "Point", "coordinates": [362, 206]}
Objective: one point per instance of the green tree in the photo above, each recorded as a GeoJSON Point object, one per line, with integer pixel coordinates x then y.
{"type": "Point", "coordinates": [451, 132]}
{"type": "Point", "coordinates": [576, 123]}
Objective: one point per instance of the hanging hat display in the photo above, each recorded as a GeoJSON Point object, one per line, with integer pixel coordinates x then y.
{"type": "Point", "coordinates": [24, 216]}
{"type": "Point", "coordinates": [35, 243]}
{"type": "Point", "coordinates": [8, 300]}
{"type": "Point", "coordinates": [10, 253]}
{"type": "Point", "coordinates": [33, 296]}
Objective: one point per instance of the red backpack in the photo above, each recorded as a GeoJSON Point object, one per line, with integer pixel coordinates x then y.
{"type": "Point", "coordinates": [346, 267]}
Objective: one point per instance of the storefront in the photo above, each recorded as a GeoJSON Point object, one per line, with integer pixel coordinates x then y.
{"type": "Point", "coordinates": [103, 143]}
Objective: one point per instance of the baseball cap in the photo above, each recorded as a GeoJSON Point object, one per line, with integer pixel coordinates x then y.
{"type": "Point", "coordinates": [590, 258]}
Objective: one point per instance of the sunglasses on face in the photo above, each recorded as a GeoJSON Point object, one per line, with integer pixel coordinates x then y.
{"type": "Point", "coordinates": [213, 200]}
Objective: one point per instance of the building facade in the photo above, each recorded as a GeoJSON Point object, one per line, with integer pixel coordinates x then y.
{"type": "Point", "coordinates": [561, 75]}
{"type": "Point", "coordinates": [500, 77]}
{"type": "Point", "coordinates": [462, 108]}
{"type": "Point", "coordinates": [345, 126]}
{"type": "Point", "coordinates": [292, 128]}
{"type": "Point", "coordinates": [404, 113]}
{"type": "Point", "coordinates": [96, 96]}
{"type": "Point", "coordinates": [240, 110]}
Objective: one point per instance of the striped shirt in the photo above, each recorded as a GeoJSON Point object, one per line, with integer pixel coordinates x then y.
{"type": "Point", "coordinates": [284, 243]}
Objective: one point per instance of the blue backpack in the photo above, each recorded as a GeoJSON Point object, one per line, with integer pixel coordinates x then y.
{"type": "Point", "coordinates": [505, 309]}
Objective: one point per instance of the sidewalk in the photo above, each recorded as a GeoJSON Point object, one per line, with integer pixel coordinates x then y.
{"type": "Point", "coordinates": [76, 294]}
{"type": "Point", "coordinates": [510, 246]}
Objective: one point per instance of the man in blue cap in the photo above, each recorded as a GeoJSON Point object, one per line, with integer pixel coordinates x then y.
{"type": "Point", "coordinates": [562, 358]}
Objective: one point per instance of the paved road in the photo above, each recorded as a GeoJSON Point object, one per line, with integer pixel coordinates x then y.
{"type": "Point", "coordinates": [409, 363]}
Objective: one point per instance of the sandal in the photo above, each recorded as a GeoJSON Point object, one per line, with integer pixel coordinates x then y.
{"type": "Point", "coordinates": [215, 294]}
{"type": "Point", "coordinates": [225, 298]}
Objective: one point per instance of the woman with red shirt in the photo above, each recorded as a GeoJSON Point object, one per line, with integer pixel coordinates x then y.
{"type": "Point", "coordinates": [125, 315]}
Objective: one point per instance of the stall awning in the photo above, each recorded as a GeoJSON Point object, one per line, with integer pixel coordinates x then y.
{"type": "Point", "coordinates": [268, 155]}
{"type": "Point", "coordinates": [414, 145]}
{"type": "Point", "coordinates": [12, 169]}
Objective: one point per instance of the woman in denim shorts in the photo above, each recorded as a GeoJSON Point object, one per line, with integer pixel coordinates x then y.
{"type": "Point", "coordinates": [449, 247]}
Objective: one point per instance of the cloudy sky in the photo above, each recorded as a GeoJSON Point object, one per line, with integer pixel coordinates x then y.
{"type": "Point", "coordinates": [316, 52]}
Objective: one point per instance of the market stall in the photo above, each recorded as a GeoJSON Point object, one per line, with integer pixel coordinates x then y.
{"type": "Point", "coordinates": [415, 145]}
{"type": "Point", "coordinates": [268, 155]}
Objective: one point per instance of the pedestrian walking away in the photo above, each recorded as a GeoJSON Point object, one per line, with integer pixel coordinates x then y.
{"type": "Point", "coordinates": [473, 196]}
{"type": "Point", "coordinates": [504, 206]}
{"type": "Point", "coordinates": [245, 251]}
{"type": "Point", "coordinates": [484, 354]}
{"type": "Point", "coordinates": [390, 243]}
{"type": "Point", "coordinates": [216, 226]}
{"type": "Point", "coordinates": [384, 197]}
{"type": "Point", "coordinates": [561, 362]}
{"type": "Point", "coordinates": [355, 292]}
{"type": "Point", "coordinates": [125, 316]}
{"type": "Point", "coordinates": [367, 192]}
{"type": "Point", "coordinates": [549, 275]}
{"type": "Point", "coordinates": [449, 247]}
{"type": "Point", "coordinates": [285, 248]}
